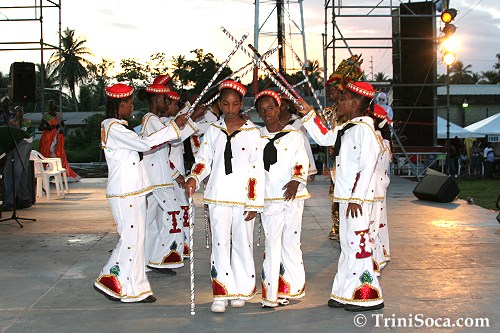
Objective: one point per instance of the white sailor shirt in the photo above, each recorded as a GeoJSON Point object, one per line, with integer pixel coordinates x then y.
{"type": "Point", "coordinates": [121, 148]}
{"type": "Point", "coordinates": [355, 165]}
{"type": "Point", "coordinates": [245, 185]}
{"type": "Point", "coordinates": [291, 164]}
{"type": "Point", "coordinates": [158, 169]}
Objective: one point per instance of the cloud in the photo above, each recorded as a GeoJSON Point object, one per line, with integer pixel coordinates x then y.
{"type": "Point", "coordinates": [194, 24]}
{"type": "Point", "coordinates": [121, 25]}
{"type": "Point", "coordinates": [107, 11]}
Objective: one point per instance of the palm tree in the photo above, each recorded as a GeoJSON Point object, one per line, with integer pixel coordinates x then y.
{"type": "Point", "coordinates": [476, 78]}
{"type": "Point", "coordinates": [460, 74]}
{"type": "Point", "coordinates": [100, 75]}
{"type": "Point", "coordinates": [72, 63]}
{"type": "Point", "coordinates": [493, 76]}
{"type": "Point", "coordinates": [50, 81]}
{"type": "Point", "coordinates": [314, 74]}
{"type": "Point", "coordinates": [380, 77]}
{"type": "Point", "coordinates": [157, 64]}
{"type": "Point", "coordinates": [181, 70]}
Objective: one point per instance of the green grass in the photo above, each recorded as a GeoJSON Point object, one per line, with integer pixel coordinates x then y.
{"type": "Point", "coordinates": [484, 192]}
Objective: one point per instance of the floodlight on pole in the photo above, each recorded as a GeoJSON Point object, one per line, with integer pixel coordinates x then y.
{"type": "Point", "coordinates": [448, 15]}
{"type": "Point", "coordinates": [448, 42]}
{"type": "Point", "coordinates": [449, 58]}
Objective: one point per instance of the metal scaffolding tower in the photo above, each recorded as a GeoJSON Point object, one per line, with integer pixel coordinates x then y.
{"type": "Point", "coordinates": [20, 12]}
{"type": "Point", "coordinates": [349, 29]}
{"type": "Point", "coordinates": [276, 29]}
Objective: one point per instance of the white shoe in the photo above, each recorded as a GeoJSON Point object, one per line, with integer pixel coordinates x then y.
{"type": "Point", "coordinates": [267, 304]}
{"type": "Point", "coordinates": [283, 301]}
{"type": "Point", "coordinates": [237, 303]}
{"type": "Point", "coordinates": [218, 305]}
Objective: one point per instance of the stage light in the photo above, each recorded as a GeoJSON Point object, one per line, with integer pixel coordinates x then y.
{"type": "Point", "coordinates": [449, 29]}
{"type": "Point", "coordinates": [448, 15]}
{"type": "Point", "coordinates": [450, 44]}
{"type": "Point", "coordinates": [449, 58]}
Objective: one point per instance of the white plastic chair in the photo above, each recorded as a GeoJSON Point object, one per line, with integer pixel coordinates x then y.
{"type": "Point", "coordinates": [45, 168]}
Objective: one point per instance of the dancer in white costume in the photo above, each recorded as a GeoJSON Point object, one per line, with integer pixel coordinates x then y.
{"type": "Point", "coordinates": [176, 158]}
{"type": "Point", "coordinates": [285, 162]}
{"type": "Point", "coordinates": [163, 250]}
{"type": "Point", "coordinates": [212, 114]}
{"type": "Point", "coordinates": [123, 278]}
{"type": "Point", "coordinates": [288, 117]}
{"type": "Point", "coordinates": [231, 154]}
{"type": "Point", "coordinates": [356, 150]}
{"type": "Point", "coordinates": [379, 236]}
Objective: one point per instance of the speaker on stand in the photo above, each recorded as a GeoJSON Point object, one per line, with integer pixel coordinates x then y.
{"type": "Point", "coordinates": [21, 86]}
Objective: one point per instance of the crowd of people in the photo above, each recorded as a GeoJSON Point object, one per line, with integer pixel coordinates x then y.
{"type": "Point", "coordinates": [474, 157]}
{"type": "Point", "coordinates": [245, 170]}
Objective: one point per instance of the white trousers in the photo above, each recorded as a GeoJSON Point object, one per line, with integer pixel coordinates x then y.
{"type": "Point", "coordinates": [384, 234]}
{"type": "Point", "coordinates": [376, 245]}
{"type": "Point", "coordinates": [232, 266]}
{"type": "Point", "coordinates": [183, 206]}
{"type": "Point", "coordinates": [124, 274]}
{"type": "Point", "coordinates": [164, 239]}
{"type": "Point", "coordinates": [355, 281]}
{"type": "Point", "coordinates": [283, 271]}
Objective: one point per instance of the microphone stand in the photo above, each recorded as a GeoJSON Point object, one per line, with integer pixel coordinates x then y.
{"type": "Point", "coordinates": [14, 199]}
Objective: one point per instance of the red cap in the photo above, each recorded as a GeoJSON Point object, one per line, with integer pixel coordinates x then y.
{"type": "Point", "coordinates": [173, 95]}
{"type": "Point", "coordinates": [361, 88]}
{"type": "Point", "coordinates": [157, 89]}
{"type": "Point", "coordinates": [271, 93]}
{"type": "Point", "coordinates": [119, 90]}
{"type": "Point", "coordinates": [233, 85]}
{"type": "Point", "coordinates": [162, 79]}
{"type": "Point", "coordinates": [379, 112]}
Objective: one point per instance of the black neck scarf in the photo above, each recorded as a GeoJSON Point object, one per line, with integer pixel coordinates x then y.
{"type": "Point", "coordinates": [270, 152]}
{"type": "Point", "coordinates": [336, 147]}
{"type": "Point", "coordinates": [228, 153]}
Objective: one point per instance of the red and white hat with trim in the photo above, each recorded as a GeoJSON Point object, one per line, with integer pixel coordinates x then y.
{"type": "Point", "coordinates": [379, 111]}
{"type": "Point", "coordinates": [270, 93]}
{"type": "Point", "coordinates": [229, 84]}
{"type": "Point", "coordinates": [157, 89]}
{"type": "Point", "coordinates": [173, 95]}
{"type": "Point", "coordinates": [162, 79]}
{"type": "Point", "coordinates": [119, 90]}
{"type": "Point", "coordinates": [361, 88]}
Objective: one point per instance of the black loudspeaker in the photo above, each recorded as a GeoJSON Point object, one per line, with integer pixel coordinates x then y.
{"type": "Point", "coordinates": [437, 188]}
{"type": "Point", "coordinates": [21, 87]}
{"type": "Point", "coordinates": [415, 71]}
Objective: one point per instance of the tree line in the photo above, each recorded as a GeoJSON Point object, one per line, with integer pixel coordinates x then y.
{"type": "Point", "coordinates": [88, 79]}
{"type": "Point", "coordinates": [189, 75]}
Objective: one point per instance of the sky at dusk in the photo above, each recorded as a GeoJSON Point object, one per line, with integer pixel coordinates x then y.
{"type": "Point", "coordinates": [118, 29]}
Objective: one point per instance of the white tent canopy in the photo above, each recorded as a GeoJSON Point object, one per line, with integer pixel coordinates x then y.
{"type": "Point", "coordinates": [455, 130]}
{"type": "Point", "coordinates": [488, 126]}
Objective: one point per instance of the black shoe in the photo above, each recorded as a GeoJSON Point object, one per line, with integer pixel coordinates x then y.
{"type": "Point", "coordinates": [111, 298]}
{"type": "Point", "coordinates": [335, 304]}
{"type": "Point", "coordinates": [165, 271]}
{"type": "Point", "coordinates": [357, 308]}
{"type": "Point", "coordinates": [149, 299]}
